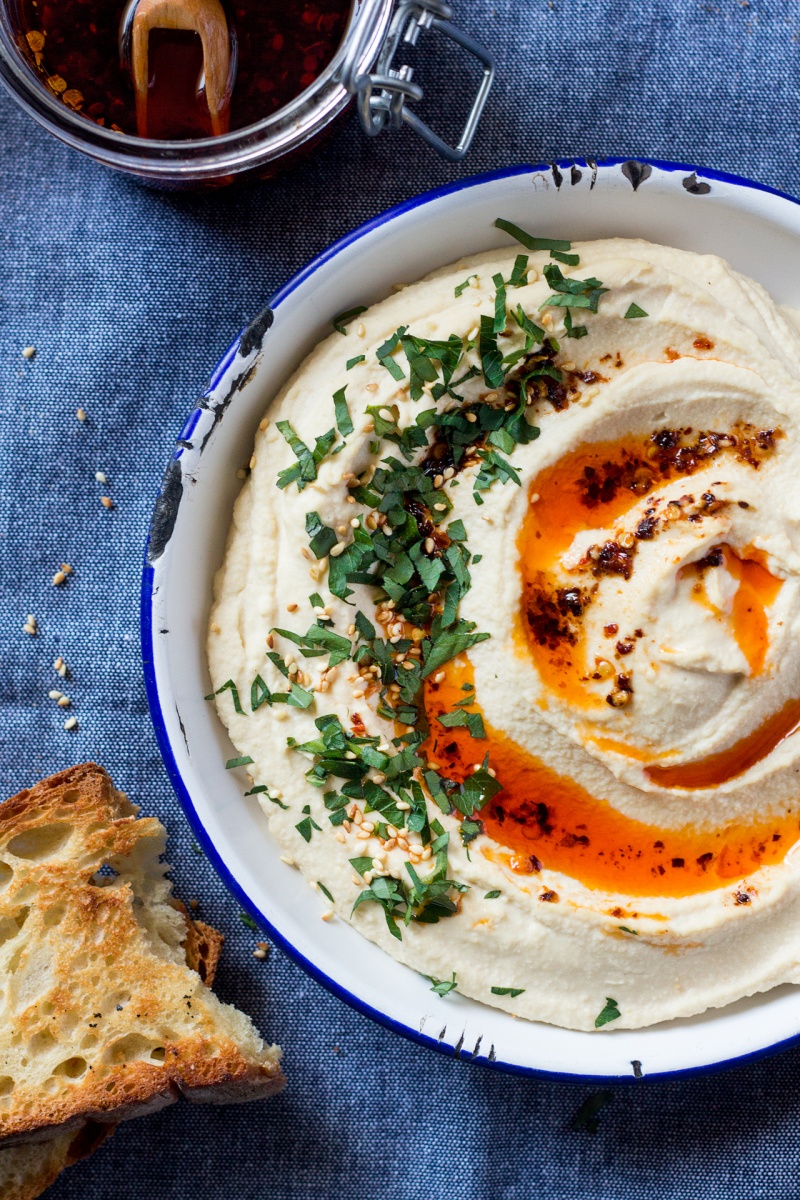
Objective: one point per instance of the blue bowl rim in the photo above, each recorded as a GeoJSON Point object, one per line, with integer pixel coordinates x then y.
{"type": "Point", "coordinates": [154, 699]}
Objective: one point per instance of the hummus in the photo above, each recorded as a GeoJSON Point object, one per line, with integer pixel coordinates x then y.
{"type": "Point", "coordinates": [507, 629]}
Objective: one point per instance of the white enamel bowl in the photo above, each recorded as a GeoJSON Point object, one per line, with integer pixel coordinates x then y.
{"type": "Point", "coordinates": [758, 231]}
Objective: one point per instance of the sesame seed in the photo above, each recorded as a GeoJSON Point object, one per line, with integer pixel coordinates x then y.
{"type": "Point", "coordinates": [409, 666]}
{"type": "Point", "coordinates": [252, 462]}
{"type": "Point", "coordinates": [471, 418]}
{"type": "Point", "coordinates": [430, 545]}
{"type": "Point", "coordinates": [369, 427]}
{"type": "Point", "coordinates": [64, 702]}
{"type": "Point", "coordinates": [106, 502]}
{"type": "Point", "coordinates": [438, 481]}
{"type": "Point", "coordinates": [360, 330]}
{"type": "Point", "coordinates": [439, 676]}
{"type": "Point", "coordinates": [259, 953]}
{"type": "Point", "coordinates": [58, 664]}
{"type": "Point", "coordinates": [62, 670]}
{"type": "Point", "coordinates": [386, 413]}
{"type": "Point", "coordinates": [54, 695]}
{"type": "Point", "coordinates": [403, 805]}
{"type": "Point", "coordinates": [100, 477]}
{"type": "Point", "coordinates": [356, 880]}
{"type": "Point", "coordinates": [372, 387]}
{"type": "Point", "coordinates": [71, 723]}
{"type": "Point", "coordinates": [291, 607]}
{"type": "Point", "coordinates": [289, 861]}
{"type": "Point", "coordinates": [327, 915]}
{"type": "Point", "coordinates": [263, 423]}
{"type": "Point", "coordinates": [351, 755]}
{"type": "Point", "coordinates": [338, 549]}
{"type": "Point", "coordinates": [80, 413]}
{"type": "Point", "coordinates": [362, 835]}
{"type": "Point", "coordinates": [59, 578]}
{"type": "Point", "coordinates": [440, 507]}
{"type": "Point", "coordinates": [29, 352]}
{"type": "Point", "coordinates": [449, 472]}
{"type": "Point", "coordinates": [354, 522]}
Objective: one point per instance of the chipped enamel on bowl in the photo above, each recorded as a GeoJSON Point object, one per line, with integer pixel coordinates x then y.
{"type": "Point", "coordinates": [758, 231]}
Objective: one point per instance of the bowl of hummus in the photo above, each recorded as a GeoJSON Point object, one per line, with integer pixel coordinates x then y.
{"type": "Point", "coordinates": [470, 619]}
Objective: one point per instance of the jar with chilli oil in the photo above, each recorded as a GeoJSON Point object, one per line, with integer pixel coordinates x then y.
{"type": "Point", "coordinates": [81, 49]}
{"type": "Point", "coordinates": [188, 93]}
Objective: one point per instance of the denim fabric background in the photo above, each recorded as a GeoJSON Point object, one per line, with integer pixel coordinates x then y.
{"type": "Point", "coordinates": [130, 298]}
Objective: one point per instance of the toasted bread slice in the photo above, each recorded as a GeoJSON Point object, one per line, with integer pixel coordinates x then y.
{"type": "Point", "coordinates": [100, 1017]}
{"type": "Point", "coordinates": [28, 1169]}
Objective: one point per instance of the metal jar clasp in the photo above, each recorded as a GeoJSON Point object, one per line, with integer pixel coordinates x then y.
{"type": "Point", "coordinates": [384, 94]}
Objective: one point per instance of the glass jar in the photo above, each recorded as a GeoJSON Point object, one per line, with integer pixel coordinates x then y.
{"type": "Point", "coordinates": [365, 68]}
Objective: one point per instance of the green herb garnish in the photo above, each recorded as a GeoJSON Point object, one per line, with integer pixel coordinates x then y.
{"type": "Point", "coordinates": [228, 686]}
{"type": "Point", "coordinates": [610, 1012]}
{"type": "Point", "coordinates": [462, 287]}
{"type": "Point", "coordinates": [503, 991]}
{"type": "Point", "coordinates": [634, 311]}
{"type": "Point", "coordinates": [442, 987]}
{"type": "Point", "coordinates": [527, 239]}
{"type": "Point", "coordinates": [343, 420]}
{"type": "Point", "coordinates": [339, 322]}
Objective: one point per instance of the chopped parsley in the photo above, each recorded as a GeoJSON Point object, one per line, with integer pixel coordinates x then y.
{"type": "Point", "coordinates": [609, 1012]}
{"type": "Point", "coordinates": [247, 920]}
{"type": "Point", "coordinates": [308, 823]}
{"type": "Point", "coordinates": [504, 991]}
{"type": "Point", "coordinates": [385, 356]}
{"type": "Point", "coordinates": [528, 241]}
{"type": "Point", "coordinates": [228, 686]}
{"type": "Point", "coordinates": [634, 311]}
{"type": "Point", "coordinates": [519, 275]}
{"type": "Point", "coordinates": [305, 469]}
{"type": "Point", "coordinates": [353, 362]}
{"type": "Point", "coordinates": [344, 421]}
{"type": "Point", "coordinates": [500, 316]}
{"type": "Point", "coordinates": [492, 895]}
{"type": "Point", "coordinates": [572, 293]}
{"type": "Point", "coordinates": [473, 722]}
{"type": "Point", "coordinates": [442, 987]}
{"type": "Point", "coordinates": [321, 887]}
{"type": "Point", "coordinates": [243, 761]}
{"type": "Point", "coordinates": [462, 287]}
{"type": "Point", "coordinates": [491, 358]}
{"type": "Point", "coordinates": [343, 319]}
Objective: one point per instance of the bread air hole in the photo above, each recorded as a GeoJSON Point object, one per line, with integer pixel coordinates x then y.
{"type": "Point", "coordinates": [6, 1085]}
{"type": "Point", "coordinates": [42, 842]}
{"type": "Point", "coordinates": [6, 875]}
{"type": "Point", "coordinates": [10, 926]}
{"type": "Point", "coordinates": [134, 1047]}
{"type": "Point", "coordinates": [72, 1068]}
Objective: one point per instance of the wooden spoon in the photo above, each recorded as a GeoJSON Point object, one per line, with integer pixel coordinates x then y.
{"type": "Point", "coordinates": [207, 19]}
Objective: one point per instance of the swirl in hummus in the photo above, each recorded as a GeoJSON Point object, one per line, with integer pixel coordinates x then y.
{"type": "Point", "coordinates": [508, 626]}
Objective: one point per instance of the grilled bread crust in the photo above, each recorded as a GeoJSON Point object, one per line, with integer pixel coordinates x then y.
{"type": "Point", "coordinates": [101, 1018]}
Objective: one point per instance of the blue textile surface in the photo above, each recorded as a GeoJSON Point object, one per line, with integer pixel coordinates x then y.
{"type": "Point", "coordinates": [130, 297]}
